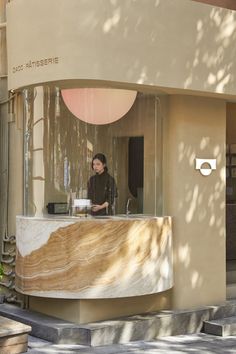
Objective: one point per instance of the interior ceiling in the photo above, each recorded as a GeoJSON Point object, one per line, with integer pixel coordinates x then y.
{"type": "Point", "coordinates": [227, 4]}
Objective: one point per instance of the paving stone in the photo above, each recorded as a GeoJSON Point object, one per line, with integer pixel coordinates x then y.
{"type": "Point", "coordinates": [184, 344]}
{"type": "Point", "coordinates": [145, 327]}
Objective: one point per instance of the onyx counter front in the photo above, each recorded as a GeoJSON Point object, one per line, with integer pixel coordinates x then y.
{"type": "Point", "coordinates": [88, 258]}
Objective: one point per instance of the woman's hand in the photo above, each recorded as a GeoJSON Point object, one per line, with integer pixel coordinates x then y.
{"type": "Point", "coordinates": [97, 207]}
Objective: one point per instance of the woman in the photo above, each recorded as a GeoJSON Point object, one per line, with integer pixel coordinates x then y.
{"type": "Point", "coordinates": [101, 187]}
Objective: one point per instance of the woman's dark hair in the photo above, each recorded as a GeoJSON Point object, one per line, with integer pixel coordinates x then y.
{"type": "Point", "coordinates": [101, 157]}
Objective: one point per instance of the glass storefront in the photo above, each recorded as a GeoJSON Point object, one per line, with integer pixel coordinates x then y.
{"type": "Point", "coordinates": [59, 148]}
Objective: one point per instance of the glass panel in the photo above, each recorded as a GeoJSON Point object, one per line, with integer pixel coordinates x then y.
{"type": "Point", "coordinates": [59, 149]}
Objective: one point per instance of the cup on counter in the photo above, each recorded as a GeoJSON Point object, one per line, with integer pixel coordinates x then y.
{"type": "Point", "coordinates": [81, 207]}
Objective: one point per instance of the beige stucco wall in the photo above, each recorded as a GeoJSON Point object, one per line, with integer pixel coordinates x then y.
{"type": "Point", "coordinates": [166, 43]}
{"type": "Point", "coordinates": [159, 48]}
{"type": "Point", "coordinates": [195, 127]}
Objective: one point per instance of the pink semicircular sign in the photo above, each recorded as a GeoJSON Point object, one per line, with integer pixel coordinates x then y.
{"type": "Point", "coordinates": [98, 105]}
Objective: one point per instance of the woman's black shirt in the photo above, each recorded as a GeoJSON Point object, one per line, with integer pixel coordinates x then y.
{"type": "Point", "coordinates": [101, 189]}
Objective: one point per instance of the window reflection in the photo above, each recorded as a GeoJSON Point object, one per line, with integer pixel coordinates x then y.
{"type": "Point", "coordinates": [59, 148]}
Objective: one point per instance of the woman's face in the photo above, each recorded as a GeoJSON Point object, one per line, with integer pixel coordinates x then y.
{"type": "Point", "coordinates": [98, 166]}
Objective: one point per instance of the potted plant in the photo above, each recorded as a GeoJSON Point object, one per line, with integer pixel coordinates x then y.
{"type": "Point", "coordinates": [2, 296]}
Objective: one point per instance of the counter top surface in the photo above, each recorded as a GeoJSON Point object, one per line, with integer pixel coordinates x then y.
{"type": "Point", "coordinates": [57, 217]}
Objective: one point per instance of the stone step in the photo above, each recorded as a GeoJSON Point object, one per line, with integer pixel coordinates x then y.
{"type": "Point", "coordinates": [221, 327]}
{"type": "Point", "coordinates": [46, 327]}
{"type": "Point", "coordinates": [148, 326]}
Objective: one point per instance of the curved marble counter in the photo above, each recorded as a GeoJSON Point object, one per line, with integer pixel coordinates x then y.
{"type": "Point", "coordinates": [92, 258]}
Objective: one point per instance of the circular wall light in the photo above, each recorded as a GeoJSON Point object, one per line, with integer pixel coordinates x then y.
{"type": "Point", "coordinates": [98, 105]}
